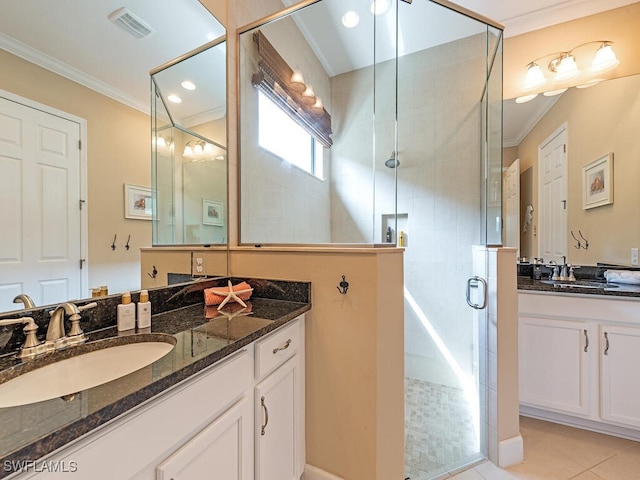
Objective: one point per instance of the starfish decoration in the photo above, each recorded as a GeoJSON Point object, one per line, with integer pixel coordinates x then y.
{"type": "Point", "coordinates": [231, 295]}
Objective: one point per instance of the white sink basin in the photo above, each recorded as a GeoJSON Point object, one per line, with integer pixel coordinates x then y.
{"type": "Point", "coordinates": [82, 371]}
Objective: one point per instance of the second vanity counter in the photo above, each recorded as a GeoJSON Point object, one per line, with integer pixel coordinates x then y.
{"type": "Point", "coordinates": [616, 290]}
{"type": "Point", "coordinates": [203, 336]}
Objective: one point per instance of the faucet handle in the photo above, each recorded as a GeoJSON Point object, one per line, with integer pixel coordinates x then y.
{"type": "Point", "coordinates": [76, 335]}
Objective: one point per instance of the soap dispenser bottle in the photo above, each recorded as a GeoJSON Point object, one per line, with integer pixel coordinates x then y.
{"type": "Point", "coordinates": [144, 310]}
{"type": "Point", "coordinates": [126, 313]}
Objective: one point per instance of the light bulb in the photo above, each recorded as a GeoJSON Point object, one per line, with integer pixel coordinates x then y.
{"type": "Point", "coordinates": [605, 59]}
{"type": "Point", "coordinates": [297, 81]}
{"type": "Point", "coordinates": [526, 98]}
{"type": "Point", "coordinates": [318, 107]}
{"type": "Point", "coordinates": [567, 68]}
{"type": "Point", "coordinates": [197, 150]}
{"type": "Point", "coordinates": [188, 151]}
{"type": "Point", "coordinates": [535, 78]}
{"type": "Point", "coordinates": [208, 149]}
{"type": "Point", "coordinates": [308, 97]}
{"type": "Point", "coordinates": [174, 99]}
{"type": "Point", "coordinates": [553, 93]}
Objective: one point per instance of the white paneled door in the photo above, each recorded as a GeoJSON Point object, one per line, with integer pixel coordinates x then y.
{"type": "Point", "coordinates": [552, 193]}
{"type": "Point", "coordinates": [40, 248]}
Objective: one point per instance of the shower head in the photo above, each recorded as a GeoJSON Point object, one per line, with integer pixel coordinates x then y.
{"type": "Point", "coordinates": [392, 162]}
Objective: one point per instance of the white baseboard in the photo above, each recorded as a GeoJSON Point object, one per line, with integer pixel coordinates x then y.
{"type": "Point", "coordinates": [315, 473]}
{"type": "Point", "coordinates": [510, 452]}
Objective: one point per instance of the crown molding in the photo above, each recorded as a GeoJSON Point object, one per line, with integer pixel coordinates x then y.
{"type": "Point", "coordinates": [67, 71]}
{"type": "Point", "coordinates": [560, 13]}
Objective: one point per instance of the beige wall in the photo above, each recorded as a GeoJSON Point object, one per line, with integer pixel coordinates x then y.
{"type": "Point", "coordinates": [354, 357]}
{"type": "Point", "coordinates": [600, 119]}
{"type": "Point", "coordinates": [118, 152]}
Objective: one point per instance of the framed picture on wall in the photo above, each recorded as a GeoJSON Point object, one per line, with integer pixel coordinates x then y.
{"type": "Point", "coordinates": [137, 202]}
{"type": "Point", "coordinates": [212, 213]}
{"type": "Point", "coordinates": [597, 182]}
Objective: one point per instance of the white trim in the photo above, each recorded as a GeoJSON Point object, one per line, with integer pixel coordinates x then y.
{"type": "Point", "coordinates": [84, 193]}
{"type": "Point", "coordinates": [315, 473]}
{"type": "Point", "coordinates": [67, 71]}
{"type": "Point", "coordinates": [564, 11]}
{"type": "Point", "coordinates": [510, 451]}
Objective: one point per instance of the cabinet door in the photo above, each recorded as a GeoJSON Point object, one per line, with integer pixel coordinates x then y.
{"type": "Point", "coordinates": [276, 413]}
{"type": "Point", "coordinates": [620, 383]}
{"type": "Point", "coordinates": [221, 451]}
{"type": "Point", "coordinates": [554, 362]}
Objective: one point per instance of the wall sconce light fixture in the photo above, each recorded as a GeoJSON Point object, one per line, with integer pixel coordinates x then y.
{"type": "Point", "coordinates": [199, 151]}
{"type": "Point", "coordinates": [564, 70]}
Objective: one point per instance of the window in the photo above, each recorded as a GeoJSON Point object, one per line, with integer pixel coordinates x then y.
{"type": "Point", "coordinates": [281, 135]}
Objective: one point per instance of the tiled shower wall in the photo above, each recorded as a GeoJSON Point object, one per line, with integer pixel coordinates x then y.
{"type": "Point", "coordinates": [439, 147]}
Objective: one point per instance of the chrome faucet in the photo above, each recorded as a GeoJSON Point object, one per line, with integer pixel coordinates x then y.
{"type": "Point", "coordinates": [55, 332]}
{"type": "Point", "coordinates": [25, 299]}
{"type": "Point", "coordinates": [31, 346]}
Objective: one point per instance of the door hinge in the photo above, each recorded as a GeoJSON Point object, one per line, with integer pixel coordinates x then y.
{"type": "Point", "coordinates": [564, 148]}
{"type": "Point", "coordinates": [81, 203]}
{"type": "Point", "coordinates": [564, 204]}
{"type": "Point", "coordinates": [79, 144]}
{"type": "Point", "coordinates": [82, 260]}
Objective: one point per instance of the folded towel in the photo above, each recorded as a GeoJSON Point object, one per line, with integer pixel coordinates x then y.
{"type": "Point", "coordinates": [622, 276]}
{"type": "Point", "coordinates": [217, 295]}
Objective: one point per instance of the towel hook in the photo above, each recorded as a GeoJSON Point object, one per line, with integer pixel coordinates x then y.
{"type": "Point", "coordinates": [127, 245]}
{"type": "Point", "coordinates": [154, 272]}
{"type": "Point", "coordinates": [343, 286]}
{"type": "Point", "coordinates": [586, 242]}
{"type": "Point", "coordinates": [578, 246]}
{"type": "Point", "coordinates": [113, 245]}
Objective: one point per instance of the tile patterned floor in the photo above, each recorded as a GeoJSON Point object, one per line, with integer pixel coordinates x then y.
{"type": "Point", "coordinates": [439, 431]}
{"type": "Point", "coordinates": [558, 452]}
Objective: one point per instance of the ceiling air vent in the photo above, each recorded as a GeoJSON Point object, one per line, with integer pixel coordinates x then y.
{"type": "Point", "coordinates": [131, 23]}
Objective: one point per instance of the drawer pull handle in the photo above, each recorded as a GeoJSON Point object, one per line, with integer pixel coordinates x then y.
{"type": "Point", "coordinates": [586, 341]}
{"type": "Point", "coordinates": [283, 347]}
{"type": "Point", "coordinates": [606, 340]}
{"type": "Point", "coordinates": [266, 416]}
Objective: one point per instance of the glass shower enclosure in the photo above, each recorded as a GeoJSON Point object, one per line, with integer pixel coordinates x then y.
{"type": "Point", "coordinates": [413, 90]}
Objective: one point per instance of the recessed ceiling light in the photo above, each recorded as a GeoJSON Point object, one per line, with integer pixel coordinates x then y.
{"type": "Point", "coordinates": [380, 7]}
{"type": "Point", "coordinates": [174, 99]}
{"type": "Point", "coordinates": [188, 85]}
{"type": "Point", "coordinates": [350, 19]}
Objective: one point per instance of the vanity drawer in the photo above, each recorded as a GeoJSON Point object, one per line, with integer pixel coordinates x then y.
{"type": "Point", "coordinates": [274, 350]}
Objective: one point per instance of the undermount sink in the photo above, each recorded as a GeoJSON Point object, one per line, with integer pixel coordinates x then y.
{"type": "Point", "coordinates": [82, 367]}
{"type": "Point", "coordinates": [586, 284]}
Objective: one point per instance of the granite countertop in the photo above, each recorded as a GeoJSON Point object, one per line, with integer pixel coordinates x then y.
{"type": "Point", "coordinates": [203, 337]}
{"type": "Point", "coordinates": [608, 289]}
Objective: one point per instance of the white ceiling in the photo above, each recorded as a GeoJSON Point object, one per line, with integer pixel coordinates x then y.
{"type": "Point", "coordinates": [74, 37]}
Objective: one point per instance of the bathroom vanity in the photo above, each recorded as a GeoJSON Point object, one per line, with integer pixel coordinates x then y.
{"type": "Point", "coordinates": [579, 349]}
{"type": "Point", "coordinates": [228, 399]}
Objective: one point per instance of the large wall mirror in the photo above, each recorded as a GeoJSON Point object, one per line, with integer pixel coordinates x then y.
{"type": "Point", "coordinates": [306, 82]}
{"type": "Point", "coordinates": [73, 60]}
{"type": "Point", "coordinates": [600, 120]}
{"type": "Point", "coordinates": [189, 167]}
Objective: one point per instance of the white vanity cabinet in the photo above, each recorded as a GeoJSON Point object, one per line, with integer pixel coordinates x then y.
{"type": "Point", "coordinates": [578, 356]}
{"type": "Point", "coordinates": [208, 426]}
{"type": "Point", "coordinates": [279, 406]}
{"type": "Point", "coordinates": [620, 384]}
{"type": "Point", "coordinates": [554, 362]}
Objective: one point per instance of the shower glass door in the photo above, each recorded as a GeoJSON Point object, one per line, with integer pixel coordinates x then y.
{"type": "Point", "coordinates": [447, 155]}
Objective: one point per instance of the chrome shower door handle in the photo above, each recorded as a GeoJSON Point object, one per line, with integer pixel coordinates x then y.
{"type": "Point", "coordinates": [474, 282]}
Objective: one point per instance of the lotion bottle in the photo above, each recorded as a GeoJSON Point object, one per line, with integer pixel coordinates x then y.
{"type": "Point", "coordinates": [126, 313]}
{"type": "Point", "coordinates": [144, 310]}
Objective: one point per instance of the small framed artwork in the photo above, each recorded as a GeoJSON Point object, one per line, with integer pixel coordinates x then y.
{"type": "Point", "coordinates": [212, 212]}
{"type": "Point", "coordinates": [137, 202]}
{"type": "Point", "coordinates": [597, 182]}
